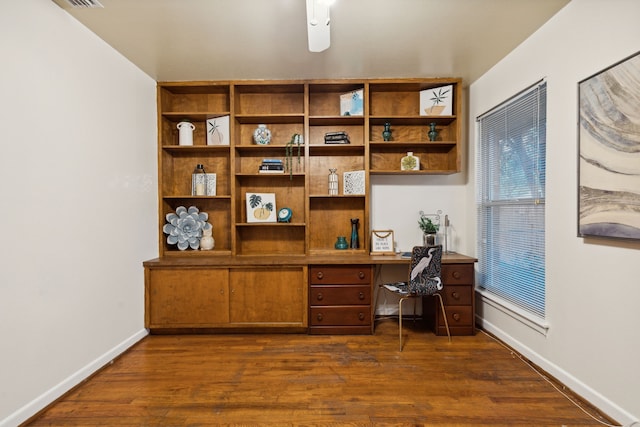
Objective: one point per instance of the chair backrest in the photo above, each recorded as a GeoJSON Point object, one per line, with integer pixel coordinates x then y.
{"type": "Point", "coordinates": [425, 270]}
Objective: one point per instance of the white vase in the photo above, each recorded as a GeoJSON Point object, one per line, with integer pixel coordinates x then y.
{"type": "Point", "coordinates": [333, 182]}
{"type": "Point", "coordinates": [185, 136]}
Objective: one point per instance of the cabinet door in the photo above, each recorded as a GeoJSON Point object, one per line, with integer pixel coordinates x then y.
{"type": "Point", "coordinates": [268, 296]}
{"type": "Point", "coordinates": [187, 297]}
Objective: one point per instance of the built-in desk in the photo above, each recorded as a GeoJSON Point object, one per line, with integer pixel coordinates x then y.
{"type": "Point", "coordinates": [322, 294]}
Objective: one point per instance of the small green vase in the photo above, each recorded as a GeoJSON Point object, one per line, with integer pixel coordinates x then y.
{"type": "Point", "coordinates": [433, 133]}
{"type": "Point", "coordinates": [386, 133]}
{"type": "Point", "coordinates": [341, 243]}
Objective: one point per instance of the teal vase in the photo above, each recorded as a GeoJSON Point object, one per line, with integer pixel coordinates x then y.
{"type": "Point", "coordinates": [355, 239]}
{"type": "Point", "coordinates": [433, 133]}
{"type": "Point", "coordinates": [341, 243]}
{"type": "Point", "coordinates": [386, 133]}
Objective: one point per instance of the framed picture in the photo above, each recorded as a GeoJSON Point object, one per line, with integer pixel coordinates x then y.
{"type": "Point", "coordinates": [352, 103]}
{"type": "Point", "coordinates": [353, 182]}
{"type": "Point", "coordinates": [437, 101]}
{"type": "Point", "coordinates": [382, 242]}
{"type": "Point", "coordinates": [261, 207]}
{"type": "Point", "coordinates": [218, 131]}
{"type": "Point", "coordinates": [608, 147]}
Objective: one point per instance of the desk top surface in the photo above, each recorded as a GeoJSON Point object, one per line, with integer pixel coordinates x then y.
{"type": "Point", "coordinates": [272, 260]}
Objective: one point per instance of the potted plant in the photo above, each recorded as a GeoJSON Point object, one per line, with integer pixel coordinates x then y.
{"type": "Point", "coordinates": [296, 140]}
{"type": "Point", "coordinates": [429, 229]}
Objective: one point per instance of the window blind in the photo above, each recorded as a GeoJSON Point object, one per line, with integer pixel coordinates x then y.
{"type": "Point", "coordinates": [511, 200]}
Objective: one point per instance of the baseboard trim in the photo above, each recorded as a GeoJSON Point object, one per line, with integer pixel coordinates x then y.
{"type": "Point", "coordinates": [578, 387]}
{"type": "Point", "coordinates": [51, 395]}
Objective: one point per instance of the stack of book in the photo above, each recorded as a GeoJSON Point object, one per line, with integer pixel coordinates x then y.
{"type": "Point", "coordinates": [271, 166]}
{"type": "Point", "coordinates": [336, 138]}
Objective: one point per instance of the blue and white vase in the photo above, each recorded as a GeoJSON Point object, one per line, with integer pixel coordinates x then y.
{"type": "Point", "coordinates": [262, 135]}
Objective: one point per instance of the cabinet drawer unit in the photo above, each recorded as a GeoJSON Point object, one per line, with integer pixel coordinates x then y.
{"type": "Point", "coordinates": [459, 302]}
{"type": "Point", "coordinates": [340, 299]}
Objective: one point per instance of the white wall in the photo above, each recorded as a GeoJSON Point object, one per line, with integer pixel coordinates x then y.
{"type": "Point", "coordinates": [593, 295]}
{"type": "Point", "coordinates": [78, 190]}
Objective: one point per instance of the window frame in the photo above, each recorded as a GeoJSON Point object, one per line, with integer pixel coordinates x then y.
{"type": "Point", "coordinates": [509, 296]}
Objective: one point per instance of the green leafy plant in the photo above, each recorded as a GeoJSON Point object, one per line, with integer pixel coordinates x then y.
{"type": "Point", "coordinates": [426, 224]}
{"type": "Point", "coordinates": [296, 140]}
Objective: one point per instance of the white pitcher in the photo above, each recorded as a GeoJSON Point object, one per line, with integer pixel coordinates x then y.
{"type": "Point", "coordinates": [186, 133]}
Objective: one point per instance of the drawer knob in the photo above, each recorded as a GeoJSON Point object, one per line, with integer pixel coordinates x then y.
{"type": "Point", "coordinates": [320, 297]}
{"type": "Point", "coordinates": [456, 316]}
{"type": "Point", "coordinates": [361, 274]}
{"type": "Point", "coordinates": [361, 316]}
{"type": "Point", "coordinates": [361, 295]}
{"type": "Point", "coordinates": [456, 274]}
{"type": "Point", "coordinates": [319, 317]}
{"type": "Point", "coordinates": [455, 295]}
{"type": "Point", "coordinates": [320, 275]}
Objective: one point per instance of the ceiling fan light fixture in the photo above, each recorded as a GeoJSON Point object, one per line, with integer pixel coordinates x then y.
{"type": "Point", "coordinates": [319, 36]}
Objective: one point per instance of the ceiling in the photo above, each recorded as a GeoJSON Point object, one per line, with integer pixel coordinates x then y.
{"type": "Point", "coordinates": [267, 39]}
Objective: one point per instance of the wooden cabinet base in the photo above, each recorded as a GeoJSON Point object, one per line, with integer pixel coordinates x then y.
{"type": "Point", "coordinates": [226, 298]}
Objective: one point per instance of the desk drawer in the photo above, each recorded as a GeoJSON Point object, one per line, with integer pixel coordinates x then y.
{"type": "Point", "coordinates": [340, 316]}
{"type": "Point", "coordinates": [457, 315]}
{"type": "Point", "coordinates": [457, 295]}
{"type": "Point", "coordinates": [340, 274]}
{"type": "Point", "coordinates": [340, 295]}
{"type": "Point", "coordinates": [457, 274]}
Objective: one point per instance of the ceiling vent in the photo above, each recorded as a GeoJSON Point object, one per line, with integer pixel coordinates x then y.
{"type": "Point", "coordinates": [84, 3]}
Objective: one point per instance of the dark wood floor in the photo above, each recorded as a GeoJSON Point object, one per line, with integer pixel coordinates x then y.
{"type": "Point", "coordinates": [280, 379]}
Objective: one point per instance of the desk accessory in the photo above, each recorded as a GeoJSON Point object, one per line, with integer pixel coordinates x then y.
{"type": "Point", "coordinates": [284, 215]}
{"type": "Point", "coordinates": [446, 233]}
{"type": "Point", "coordinates": [382, 242]}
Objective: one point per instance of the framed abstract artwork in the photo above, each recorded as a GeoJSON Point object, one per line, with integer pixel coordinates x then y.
{"type": "Point", "coordinates": [354, 182]}
{"type": "Point", "coordinates": [609, 152]}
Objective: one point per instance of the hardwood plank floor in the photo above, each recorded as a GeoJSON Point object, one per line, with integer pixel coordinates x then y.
{"type": "Point", "coordinates": [284, 380]}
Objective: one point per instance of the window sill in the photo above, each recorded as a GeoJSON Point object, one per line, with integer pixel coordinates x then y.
{"type": "Point", "coordinates": [532, 321]}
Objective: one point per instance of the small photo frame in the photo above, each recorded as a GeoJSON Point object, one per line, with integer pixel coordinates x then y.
{"type": "Point", "coordinates": [352, 103]}
{"type": "Point", "coordinates": [218, 131]}
{"type": "Point", "coordinates": [261, 207]}
{"type": "Point", "coordinates": [353, 182]}
{"type": "Point", "coordinates": [382, 242]}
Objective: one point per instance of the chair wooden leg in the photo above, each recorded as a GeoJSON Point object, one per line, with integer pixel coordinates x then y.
{"type": "Point", "coordinates": [444, 314]}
